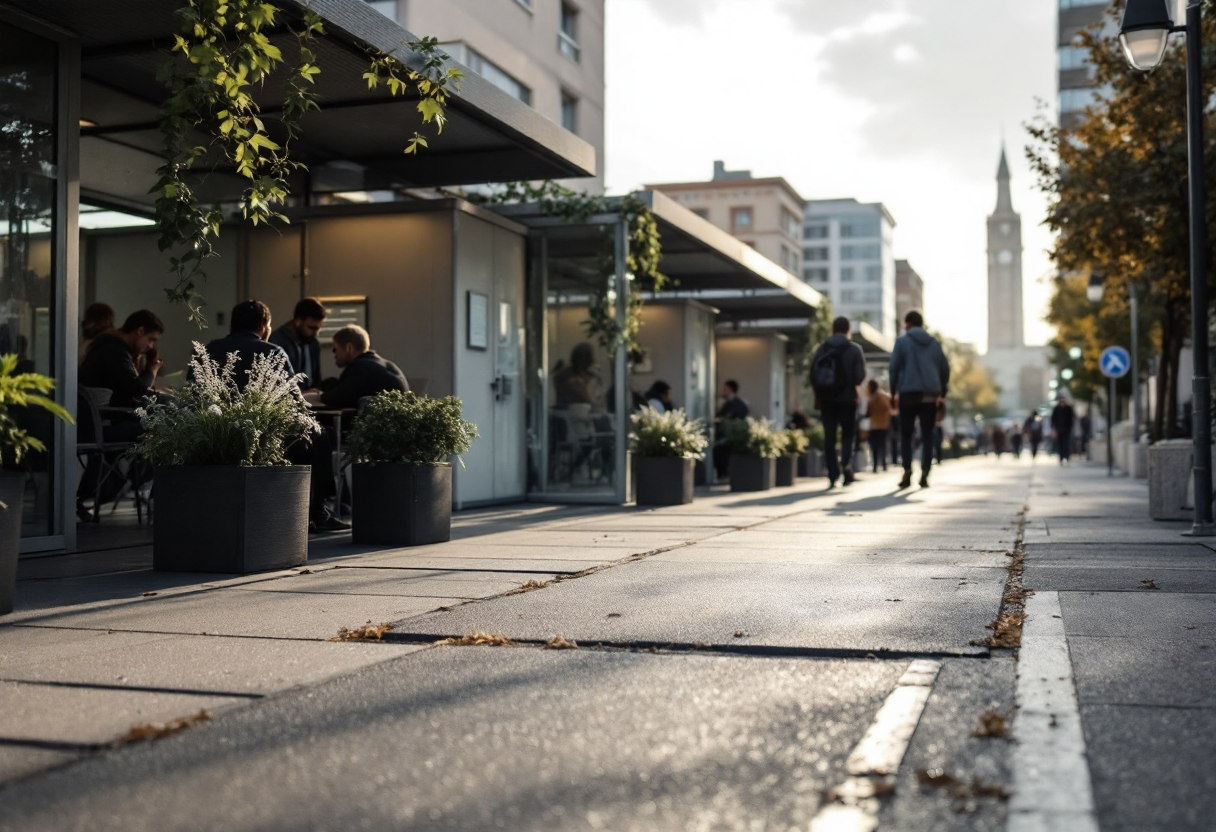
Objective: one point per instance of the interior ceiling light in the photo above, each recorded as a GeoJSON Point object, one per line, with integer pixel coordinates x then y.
{"type": "Point", "coordinates": [85, 124]}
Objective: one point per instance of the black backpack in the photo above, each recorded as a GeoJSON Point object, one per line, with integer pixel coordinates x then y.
{"type": "Point", "coordinates": [828, 376]}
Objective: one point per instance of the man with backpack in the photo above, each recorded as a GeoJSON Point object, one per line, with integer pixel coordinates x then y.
{"type": "Point", "coordinates": [920, 375]}
{"type": "Point", "coordinates": [836, 371]}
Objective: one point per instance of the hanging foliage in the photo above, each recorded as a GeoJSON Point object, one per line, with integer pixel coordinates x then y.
{"type": "Point", "coordinates": [222, 55]}
{"type": "Point", "coordinates": [643, 253]}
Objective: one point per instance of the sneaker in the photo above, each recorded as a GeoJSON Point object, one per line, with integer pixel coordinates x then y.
{"type": "Point", "coordinates": [849, 476]}
{"type": "Point", "coordinates": [329, 524]}
{"type": "Point", "coordinates": [924, 481]}
{"type": "Point", "coordinates": [906, 482]}
{"type": "Point", "coordinates": [831, 485]}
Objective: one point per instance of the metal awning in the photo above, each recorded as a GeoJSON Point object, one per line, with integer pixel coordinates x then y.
{"type": "Point", "coordinates": [706, 264]}
{"type": "Point", "coordinates": [358, 137]}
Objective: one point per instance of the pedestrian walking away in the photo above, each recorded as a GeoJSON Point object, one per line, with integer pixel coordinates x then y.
{"type": "Point", "coordinates": [878, 408]}
{"type": "Point", "coordinates": [920, 377]}
{"type": "Point", "coordinates": [837, 369]}
{"type": "Point", "coordinates": [1034, 433]}
{"type": "Point", "coordinates": [1063, 419]}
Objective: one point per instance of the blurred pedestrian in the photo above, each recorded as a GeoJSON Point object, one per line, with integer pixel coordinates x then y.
{"type": "Point", "coordinates": [920, 376]}
{"type": "Point", "coordinates": [1063, 420]}
{"type": "Point", "coordinates": [878, 407]}
{"type": "Point", "coordinates": [836, 371]}
{"type": "Point", "coordinates": [1034, 433]}
{"type": "Point", "coordinates": [1015, 440]}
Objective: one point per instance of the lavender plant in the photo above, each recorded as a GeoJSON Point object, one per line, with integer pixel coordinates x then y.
{"type": "Point", "coordinates": [667, 434]}
{"type": "Point", "coordinates": [411, 429]}
{"type": "Point", "coordinates": [217, 421]}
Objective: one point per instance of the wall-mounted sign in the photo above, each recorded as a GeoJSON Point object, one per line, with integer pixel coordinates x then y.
{"type": "Point", "coordinates": [479, 321]}
{"type": "Point", "coordinates": [343, 311]}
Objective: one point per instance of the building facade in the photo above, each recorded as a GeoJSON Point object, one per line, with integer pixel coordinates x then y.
{"type": "Point", "coordinates": [764, 213]}
{"type": "Point", "coordinates": [909, 290]}
{"type": "Point", "coordinates": [1020, 371]}
{"type": "Point", "coordinates": [846, 254]}
{"type": "Point", "coordinates": [548, 54]}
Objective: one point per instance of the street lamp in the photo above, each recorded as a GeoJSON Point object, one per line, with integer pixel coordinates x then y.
{"type": "Point", "coordinates": [1067, 374]}
{"type": "Point", "coordinates": [1146, 27]}
{"type": "Point", "coordinates": [1096, 288]}
{"type": "Point", "coordinates": [1075, 353]}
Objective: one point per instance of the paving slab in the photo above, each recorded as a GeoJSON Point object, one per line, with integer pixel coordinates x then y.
{"type": "Point", "coordinates": [1145, 614]}
{"type": "Point", "coordinates": [1179, 555]}
{"type": "Point", "coordinates": [486, 738]}
{"type": "Point", "coordinates": [1161, 672]}
{"type": "Point", "coordinates": [867, 608]}
{"type": "Point", "coordinates": [1118, 578]}
{"type": "Point", "coordinates": [1152, 767]}
{"type": "Point", "coordinates": [563, 563]}
{"type": "Point", "coordinates": [715, 552]}
{"type": "Point", "coordinates": [920, 541]}
{"type": "Point", "coordinates": [384, 582]}
{"type": "Point", "coordinates": [18, 760]}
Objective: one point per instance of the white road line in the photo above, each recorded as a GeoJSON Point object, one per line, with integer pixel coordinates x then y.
{"type": "Point", "coordinates": [875, 761]}
{"type": "Point", "coordinates": [1052, 791]}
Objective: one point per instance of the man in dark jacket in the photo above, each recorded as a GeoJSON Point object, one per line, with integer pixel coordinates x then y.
{"type": "Point", "coordinates": [298, 338]}
{"type": "Point", "coordinates": [1063, 419]}
{"type": "Point", "coordinates": [110, 363]}
{"type": "Point", "coordinates": [920, 376]}
{"type": "Point", "coordinates": [364, 373]}
{"type": "Point", "coordinates": [837, 369]}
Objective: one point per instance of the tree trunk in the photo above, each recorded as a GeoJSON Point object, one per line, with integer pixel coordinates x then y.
{"type": "Point", "coordinates": [1171, 411]}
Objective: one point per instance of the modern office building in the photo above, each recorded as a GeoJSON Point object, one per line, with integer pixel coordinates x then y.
{"type": "Point", "coordinates": [1020, 371]}
{"type": "Point", "coordinates": [909, 290]}
{"type": "Point", "coordinates": [764, 212]}
{"type": "Point", "coordinates": [1076, 86]}
{"type": "Point", "coordinates": [548, 54]}
{"type": "Point", "coordinates": [846, 254]}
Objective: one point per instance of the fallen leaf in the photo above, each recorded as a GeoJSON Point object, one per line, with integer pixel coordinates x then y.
{"type": "Point", "coordinates": [149, 594]}
{"type": "Point", "coordinates": [959, 789]}
{"type": "Point", "coordinates": [614, 615]}
{"type": "Point", "coordinates": [559, 643]}
{"type": "Point", "coordinates": [1148, 583]}
{"type": "Point", "coordinates": [993, 723]}
{"type": "Point", "coordinates": [476, 639]}
{"type": "Point", "coordinates": [528, 586]}
{"type": "Point", "coordinates": [156, 730]}
{"type": "Point", "coordinates": [738, 634]}
{"type": "Point", "coordinates": [368, 632]}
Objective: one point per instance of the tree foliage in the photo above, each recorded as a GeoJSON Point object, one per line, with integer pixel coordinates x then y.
{"type": "Point", "coordinates": [1117, 191]}
{"type": "Point", "coordinates": [972, 389]}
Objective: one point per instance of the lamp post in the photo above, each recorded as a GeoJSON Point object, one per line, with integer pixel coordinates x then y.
{"type": "Point", "coordinates": [1144, 33]}
{"type": "Point", "coordinates": [1095, 291]}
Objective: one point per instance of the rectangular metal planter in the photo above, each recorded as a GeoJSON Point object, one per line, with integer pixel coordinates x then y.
{"type": "Point", "coordinates": [664, 480]}
{"type": "Point", "coordinates": [811, 464]}
{"type": "Point", "coordinates": [785, 466]}
{"type": "Point", "coordinates": [401, 505]}
{"type": "Point", "coordinates": [230, 519]}
{"type": "Point", "coordinates": [752, 473]}
{"type": "Point", "coordinates": [12, 494]}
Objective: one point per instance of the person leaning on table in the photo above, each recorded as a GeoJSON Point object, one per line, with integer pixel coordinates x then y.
{"type": "Point", "coordinates": [364, 373]}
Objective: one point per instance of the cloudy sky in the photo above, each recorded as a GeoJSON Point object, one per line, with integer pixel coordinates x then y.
{"type": "Point", "coordinates": [903, 102]}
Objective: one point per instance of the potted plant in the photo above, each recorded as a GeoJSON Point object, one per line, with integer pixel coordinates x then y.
{"type": "Point", "coordinates": [754, 445]}
{"type": "Point", "coordinates": [811, 463]}
{"type": "Point", "coordinates": [402, 488]}
{"type": "Point", "coordinates": [794, 445]}
{"type": "Point", "coordinates": [666, 447]}
{"type": "Point", "coordinates": [17, 391]}
{"type": "Point", "coordinates": [227, 500]}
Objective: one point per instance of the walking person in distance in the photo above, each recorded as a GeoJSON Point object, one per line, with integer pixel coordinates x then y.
{"type": "Point", "coordinates": [920, 376]}
{"type": "Point", "coordinates": [837, 369]}
{"type": "Point", "coordinates": [879, 411]}
{"type": "Point", "coordinates": [1063, 419]}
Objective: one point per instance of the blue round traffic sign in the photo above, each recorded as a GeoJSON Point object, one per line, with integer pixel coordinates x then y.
{"type": "Point", "coordinates": [1116, 362]}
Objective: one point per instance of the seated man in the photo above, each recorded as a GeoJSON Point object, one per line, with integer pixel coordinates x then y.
{"type": "Point", "coordinates": [111, 360]}
{"type": "Point", "coordinates": [250, 326]}
{"type": "Point", "coordinates": [298, 337]}
{"type": "Point", "coordinates": [364, 373]}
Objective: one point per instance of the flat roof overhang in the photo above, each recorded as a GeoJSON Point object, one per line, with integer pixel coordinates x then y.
{"type": "Point", "coordinates": [489, 137]}
{"type": "Point", "coordinates": [705, 263]}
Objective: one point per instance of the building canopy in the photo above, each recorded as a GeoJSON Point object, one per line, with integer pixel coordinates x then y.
{"type": "Point", "coordinates": [354, 143]}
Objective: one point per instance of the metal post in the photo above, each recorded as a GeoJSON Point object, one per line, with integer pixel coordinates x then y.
{"type": "Point", "coordinates": [1201, 383]}
{"type": "Point", "coordinates": [1110, 430]}
{"type": "Point", "coordinates": [1135, 365]}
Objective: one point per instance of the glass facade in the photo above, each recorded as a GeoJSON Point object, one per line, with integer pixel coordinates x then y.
{"type": "Point", "coordinates": [29, 174]}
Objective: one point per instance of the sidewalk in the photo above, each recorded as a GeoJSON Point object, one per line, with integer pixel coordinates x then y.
{"type": "Point", "coordinates": [1139, 620]}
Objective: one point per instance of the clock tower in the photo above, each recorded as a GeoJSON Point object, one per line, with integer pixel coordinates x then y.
{"type": "Point", "coordinates": [1004, 268]}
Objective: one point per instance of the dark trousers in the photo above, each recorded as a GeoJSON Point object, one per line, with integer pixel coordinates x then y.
{"type": "Point", "coordinates": [878, 447]}
{"type": "Point", "coordinates": [914, 407]}
{"type": "Point", "coordinates": [842, 415]}
{"type": "Point", "coordinates": [1064, 445]}
{"type": "Point", "coordinates": [320, 455]}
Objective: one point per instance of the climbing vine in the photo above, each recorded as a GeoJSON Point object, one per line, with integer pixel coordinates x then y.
{"type": "Point", "coordinates": [644, 252]}
{"type": "Point", "coordinates": [221, 55]}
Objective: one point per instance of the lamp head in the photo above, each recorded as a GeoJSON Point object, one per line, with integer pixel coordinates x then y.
{"type": "Point", "coordinates": [1096, 288]}
{"type": "Point", "coordinates": [1144, 33]}
{"type": "Point", "coordinates": [1075, 353]}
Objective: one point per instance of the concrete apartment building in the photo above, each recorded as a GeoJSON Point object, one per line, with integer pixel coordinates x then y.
{"type": "Point", "coordinates": [549, 54]}
{"type": "Point", "coordinates": [909, 290]}
{"type": "Point", "coordinates": [846, 254]}
{"type": "Point", "coordinates": [764, 213]}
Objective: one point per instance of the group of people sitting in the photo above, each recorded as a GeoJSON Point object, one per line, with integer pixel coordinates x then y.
{"type": "Point", "coordinates": [125, 360]}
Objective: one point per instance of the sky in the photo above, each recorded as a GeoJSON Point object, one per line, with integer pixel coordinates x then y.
{"type": "Point", "coordinates": [903, 102]}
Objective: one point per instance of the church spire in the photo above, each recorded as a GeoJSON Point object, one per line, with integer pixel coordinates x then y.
{"type": "Point", "coordinates": [1004, 200]}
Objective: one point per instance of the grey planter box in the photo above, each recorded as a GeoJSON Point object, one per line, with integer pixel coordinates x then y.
{"type": "Point", "coordinates": [229, 519]}
{"type": "Point", "coordinates": [12, 494]}
{"type": "Point", "coordinates": [785, 470]}
{"type": "Point", "coordinates": [752, 473]}
{"type": "Point", "coordinates": [664, 480]}
{"type": "Point", "coordinates": [811, 464]}
{"type": "Point", "coordinates": [401, 505]}
{"type": "Point", "coordinates": [1170, 490]}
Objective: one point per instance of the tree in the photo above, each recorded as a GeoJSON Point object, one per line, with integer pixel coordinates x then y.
{"type": "Point", "coordinates": [973, 392]}
{"type": "Point", "coordinates": [1117, 189]}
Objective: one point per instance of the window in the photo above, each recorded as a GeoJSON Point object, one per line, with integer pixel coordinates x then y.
{"type": "Point", "coordinates": [860, 227]}
{"type": "Point", "coordinates": [873, 274]}
{"type": "Point", "coordinates": [860, 252]}
{"type": "Point", "coordinates": [847, 274]}
{"type": "Point", "coordinates": [1077, 99]}
{"type": "Point", "coordinates": [567, 38]}
{"type": "Point", "coordinates": [498, 77]}
{"type": "Point", "coordinates": [816, 275]}
{"type": "Point", "coordinates": [703, 213]}
{"type": "Point", "coordinates": [816, 253]}
{"type": "Point", "coordinates": [846, 295]}
{"type": "Point", "coordinates": [741, 219]}
{"type": "Point", "coordinates": [1074, 57]}
{"type": "Point", "coordinates": [789, 259]}
{"type": "Point", "coordinates": [388, 8]}
{"type": "Point", "coordinates": [1076, 4]}
{"type": "Point", "coordinates": [569, 112]}
{"type": "Point", "coordinates": [815, 232]}
{"type": "Point", "coordinates": [527, 4]}
{"type": "Point", "coordinates": [789, 223]}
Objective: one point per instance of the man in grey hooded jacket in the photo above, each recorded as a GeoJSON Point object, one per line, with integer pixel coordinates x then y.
{"type": "Point", "coordinates": [920, 376]}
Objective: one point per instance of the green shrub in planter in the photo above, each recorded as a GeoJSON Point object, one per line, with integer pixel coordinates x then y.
{"type": "Point", "coordinates": [754, 445]}
{"type": "Point", "coordinates": [17, 390]}
{"type": "Point", "coordinates": [816, 436]}
{"type": "Point", "coordinates": [794, 444]}
{"type": "Point", "coordinates": [227, 500]}
{"type": "Point", "coordinates": [666, 447]}
{"type": "Point", "coordinates": [401, 444]}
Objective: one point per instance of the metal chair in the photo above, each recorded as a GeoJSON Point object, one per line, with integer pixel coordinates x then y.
{"type": "Point", "coordinates": [92, 446]}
